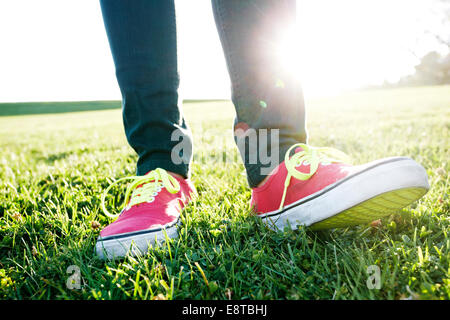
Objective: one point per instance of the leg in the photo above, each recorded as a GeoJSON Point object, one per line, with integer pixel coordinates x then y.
{"type": "Point", "coordinates": [264, 94]}
{"type": "Point", "coordinates": [314, 187]}
{"type": "Point", "coordinates": [142, 37]}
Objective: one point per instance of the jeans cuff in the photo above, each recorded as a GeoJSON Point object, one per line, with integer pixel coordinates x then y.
{"type": "Point", "coordinates": [254, 171]}
{"type": "Point", "coordinates": [163, 163]}
{"type": "Point", "coordinates": [254, 176]}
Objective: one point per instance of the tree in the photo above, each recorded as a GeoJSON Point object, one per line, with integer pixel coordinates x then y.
{"type": "Point", "coordinates": [434, 67]}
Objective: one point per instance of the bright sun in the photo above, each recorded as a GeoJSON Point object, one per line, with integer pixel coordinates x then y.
{"type": "Point", "coordinates": [334, 50]}
{"type": "Point", "coordinates": [288, 52]}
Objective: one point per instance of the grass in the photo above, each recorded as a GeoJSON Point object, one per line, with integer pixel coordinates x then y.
{"type": "Point", "coordinates": [24, 108]}
{"type": "Point", "coordinates": [54, 167]}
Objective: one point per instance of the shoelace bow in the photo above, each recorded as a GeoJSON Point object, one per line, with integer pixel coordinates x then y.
{"type": "Point", "coordinates": [150, 185]}
{"type": "Point", "coordinates": [312, 156]}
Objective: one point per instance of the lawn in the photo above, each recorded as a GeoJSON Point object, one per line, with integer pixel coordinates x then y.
{"type": "Point", "coordinates": [55, 166]}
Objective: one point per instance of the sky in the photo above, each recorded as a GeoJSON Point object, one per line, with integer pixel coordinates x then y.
{"type": "Point", "coordinates": [57, 50]}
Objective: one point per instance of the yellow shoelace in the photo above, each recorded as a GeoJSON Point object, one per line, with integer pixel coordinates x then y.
{"type": "Point", "coordinates": [152, 183]}
{"type": "Point", "coordinates": [312, 156]}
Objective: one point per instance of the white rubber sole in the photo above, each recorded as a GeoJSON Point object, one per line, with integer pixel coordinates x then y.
{"type": "Point", "coordinates": [133, 243]}
{"type": "Point", "coordinates": [380, 188]}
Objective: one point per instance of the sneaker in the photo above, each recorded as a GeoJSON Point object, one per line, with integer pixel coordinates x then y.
{"type": "Point", "coordinates": [317, 187]}
{"type": "Point", "coordinates": [153, 206]}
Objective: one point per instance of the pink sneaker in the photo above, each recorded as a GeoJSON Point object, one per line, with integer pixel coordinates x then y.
{"type": "Point", "coordinates": [317, 187]}
{"type": "Point", "coordinates": [153, 206]}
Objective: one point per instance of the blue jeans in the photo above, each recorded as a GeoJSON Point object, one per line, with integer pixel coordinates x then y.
{"type": "Point", "coordinates": [142, 37]}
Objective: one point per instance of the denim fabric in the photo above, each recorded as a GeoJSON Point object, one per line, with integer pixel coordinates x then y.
{"type": "Point", "coordinates": [265, 95]}
{"type": "Point", "coordinates": [142, 38]}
